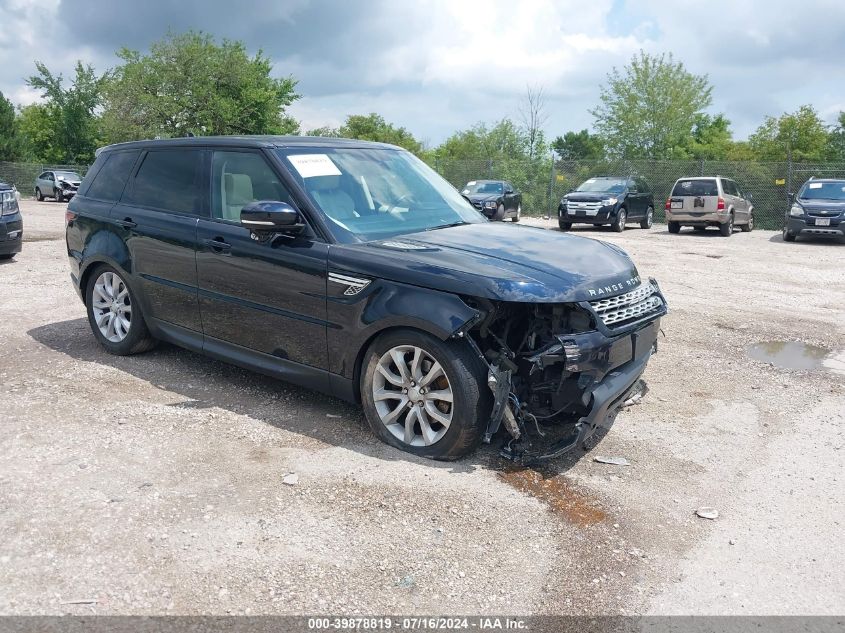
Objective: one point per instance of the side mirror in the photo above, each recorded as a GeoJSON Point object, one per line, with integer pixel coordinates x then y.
{"type": "Point", "coordinates": [267, 216]}
{"type": "Point", "coordinates": [791, 196]}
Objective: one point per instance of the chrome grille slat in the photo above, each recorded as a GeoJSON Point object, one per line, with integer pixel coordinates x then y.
{"type": "Point", "coordinates": [629, 306]}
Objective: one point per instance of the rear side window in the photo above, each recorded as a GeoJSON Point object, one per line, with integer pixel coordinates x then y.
{"type": "Point", "coordinates": [169, 180]}
{"type": "Point", "coordinates": [730, 188]}
{"type": "Point", "coordinates": [696, 188]}
{"type": "Point", "coordinates": [110, 180]}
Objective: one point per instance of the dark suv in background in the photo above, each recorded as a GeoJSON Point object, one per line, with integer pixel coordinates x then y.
{"type": "Point", "coordinates": [496, 199]}
{"type": "Point", "coordinates": [613, 200]}
{"type": "Point", "coordinates": [817, 210]}
{"type": "Point", "coordinates": [354, 269]}
{"type": "Point", "coordinates": [11, 222]}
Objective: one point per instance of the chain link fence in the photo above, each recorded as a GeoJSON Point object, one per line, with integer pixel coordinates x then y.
{"type": "Point", "coordinates": [543, 182]}
{"type": "Point", "coordinates": [23, 175]}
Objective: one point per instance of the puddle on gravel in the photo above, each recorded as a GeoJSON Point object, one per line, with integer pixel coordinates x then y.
{"type": "Point", "coordinates": [789, 354]}
{"type": "Point", "coordinates": [560, 497]}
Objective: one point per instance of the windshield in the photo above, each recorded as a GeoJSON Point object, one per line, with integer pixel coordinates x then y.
{"type": "Point", "coordinates": [68, 175]}
{"type": "Point", "coordinates": [603, 185]}
{"type": "Point", "coordinates": [370, 194]}
{"type": "Point", "coordinates": [695, 188]}
{"type": "Point", "coordinates": [481, 186]}
{"type": "Point", "coordinates": [823, 191]}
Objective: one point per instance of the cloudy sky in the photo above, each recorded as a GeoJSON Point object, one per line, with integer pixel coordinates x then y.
{"type": "Point", "coordinates": [435, 66]}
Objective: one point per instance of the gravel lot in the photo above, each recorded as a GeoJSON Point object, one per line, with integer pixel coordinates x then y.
{"type": "Point", "coordinates": [153, 484]}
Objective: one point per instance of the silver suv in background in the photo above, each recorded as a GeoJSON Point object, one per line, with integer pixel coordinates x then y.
{"type": "Point", "coordinates": [58, 184]}
{"type": "Point", "coordinates": [709, 201]}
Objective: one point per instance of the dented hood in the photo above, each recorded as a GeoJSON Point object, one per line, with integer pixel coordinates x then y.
{"type": "Point", "coordinates": [494, 260]}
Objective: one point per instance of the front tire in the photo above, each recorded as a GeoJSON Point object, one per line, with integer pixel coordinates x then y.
{"type": "Point", "coordinates": [727, 228]}
{"type": "Point", "coordinates": [114, 315]}
{"type": "Point", "coordinates": [618, 224]}
{"type": "Point", "coordinates": [648, 220]}
{"type": "Point", "coordinates": [518, 215]}
{"type": "Point", "coordinates": [564, 226]}
{"type": "Point", "coordinates": [500, 213]}
{"type": "Point", "coordinates": [674, 227]}
{"type": "Point", "coordinates": [787, 236]}
{"type": "Point", "coordinates": [425, 396]}
{"type": "Point", "coordinates": [57, 194]}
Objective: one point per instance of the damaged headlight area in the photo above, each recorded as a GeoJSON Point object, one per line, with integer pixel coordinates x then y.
{"type": "Point", "coordinates": [557, 372]}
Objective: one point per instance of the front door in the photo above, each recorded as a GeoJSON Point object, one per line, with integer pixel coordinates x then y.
{"type": "Point", "coordinates": [266, 296]}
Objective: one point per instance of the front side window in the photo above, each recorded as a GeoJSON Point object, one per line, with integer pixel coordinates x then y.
{"type": "Point", "coordinates": [603, 185]}
{"type": "Point", "coordinates": [169, 180]}
{"type": "Point", "coordinates": [823, 191]}
{"type": "Point", "coordinates": [238, 178]}
{"type": "Point", "coordinates": [369, 194]}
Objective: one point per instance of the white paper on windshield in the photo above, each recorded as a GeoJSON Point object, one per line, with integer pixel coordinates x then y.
{"type": "Point", "coordinates": [313, 165]}
{"type": "Point", "coordinates": [587, 182]}
{"type": "Point", "coordinates": [470, 183]}
{"type": "Point", "coordinates": [815, 185]}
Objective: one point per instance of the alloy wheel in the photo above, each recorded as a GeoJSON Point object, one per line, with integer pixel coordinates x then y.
{"type": "Point", "coordinates": [412, 395]}
{"type": "Point", "coordinates": [112, 307]}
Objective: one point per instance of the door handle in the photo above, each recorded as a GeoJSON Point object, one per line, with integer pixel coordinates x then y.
{"type": "Point", "coordinates": [127, 223]}
{"type": "Point", "coordinates": [218, 245]}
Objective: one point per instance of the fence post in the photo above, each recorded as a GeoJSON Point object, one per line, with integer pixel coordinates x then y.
{"type": "Point", "coordinates": [551, 185]}
{"type": "Point", "coordinates": [490, 168]}
{"type": "Point", "coordinates": [788, 170]}
{"type": "Point", "coordinates": [702, 166]}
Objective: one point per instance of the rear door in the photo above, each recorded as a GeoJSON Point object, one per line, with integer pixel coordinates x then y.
{"type": "Point", "coordinates": [263, 295]}
{"type": "Point", "coordinates": [742, 206]}
{"type": "Point", "coordinates": [158, 215]}
{"type": "Point", "coordinates": [511, 200]}
{"type": "Point", "coordinates": [634, 200]}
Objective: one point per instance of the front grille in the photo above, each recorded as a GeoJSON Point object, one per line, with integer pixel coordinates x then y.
{"type": "Point", "coordinates": [592, 208]}
{"type": "Point", "coordinates": [823, 214]}
{"type": "Point", "coordinates": [631, 306]}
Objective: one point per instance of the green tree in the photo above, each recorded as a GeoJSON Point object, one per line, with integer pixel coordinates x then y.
{"type": "Point", "coordinates": [35, 128]}
{"type": "Point", "coordinates": [711, 137]}
{"type": "Point", "coordinates": [579, 146]}
{"type": "Point", "coordinates": [836, 140]}
{"type": "Point", "coordinates": [504, 139]}
{"type": "Point", "coordinates": [650, 107]}
{"type": "Point", "coordinates": [802, 132]}
{"type": "Point", "coordinates": [73, 122]}
{"type": "Point", "coordinates": [190, 84]}
{"type": "Point", "coordinates": [373, 127]}
{"type": "Point", "coordinates": [10, 140]}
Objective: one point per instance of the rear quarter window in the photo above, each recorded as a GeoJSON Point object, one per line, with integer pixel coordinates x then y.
{"type": "Point", "coordinates": [108, 182]}
{"type": "Point", "coordinates": [696, 188]}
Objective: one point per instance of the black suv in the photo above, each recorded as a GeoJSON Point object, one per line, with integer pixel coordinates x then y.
{"type": "Point", "coordinates": [353, 268]}
{"type": "Point", "coordinates": [817, 210]}
{"type": "Point", "coordinates": [11, 222]}
{"type": "Point", "coordinates": [612, 200]}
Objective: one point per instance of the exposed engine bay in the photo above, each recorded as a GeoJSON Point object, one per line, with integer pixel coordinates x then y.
{"type": "Point", "coordinates": [546, 362]}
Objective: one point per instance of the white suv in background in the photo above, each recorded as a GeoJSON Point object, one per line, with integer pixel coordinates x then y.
{"type": "Point", "coordinates": [709, 201]}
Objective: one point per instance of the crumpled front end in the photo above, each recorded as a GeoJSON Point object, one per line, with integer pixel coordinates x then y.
{"type": "Point", "coordinates": [558, 372]}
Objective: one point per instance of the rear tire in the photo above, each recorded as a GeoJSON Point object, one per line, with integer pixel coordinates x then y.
{"type": "Point", "coordinates": [461, 377]}
{"type": "Point", "coordinates": [105, 287]}
{"type": "Point", "coordinates": [749, 226]}
{"type": "Point", "coordinates": [727, 228]}
{"type": "Point", "coordinates": [38, 195]}
{"type": "Point", "coordinates": [618, 224]}
{"type": "Point", "coordinates": [674, 227]}
{"type": "Point", "coordinates": [564, 226]}
{"type": "Point", "coordinates": [648, 220]}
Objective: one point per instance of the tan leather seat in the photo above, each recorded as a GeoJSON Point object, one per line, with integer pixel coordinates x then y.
{"type": "Point", "coordinates": [237, 189]}
{"type": "Point", "coordinates": [335, 203]}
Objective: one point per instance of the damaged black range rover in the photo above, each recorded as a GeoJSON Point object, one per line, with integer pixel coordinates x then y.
{"type": "Point", "coordinates": [353, 268]}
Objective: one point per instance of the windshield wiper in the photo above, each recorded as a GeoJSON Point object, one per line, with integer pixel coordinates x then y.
{"type": "Point", "coordinates": [446, 226]}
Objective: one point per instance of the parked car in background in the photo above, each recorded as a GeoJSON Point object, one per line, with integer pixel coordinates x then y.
{"type": "Point", "coordinates": [353, 268]}
{"type": "Point", "coordinates": [709, 201]}
{"type": "Point", "coordinates": [61, 185]}
{"type": "Point", "coordinates": [613, 200]}
{"type": "Point", "coordinates": [818, 209]}
{"type": "Point", "coordinates": [497, 199]}
{"type": "Point", "coordinates": [11, 222]}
